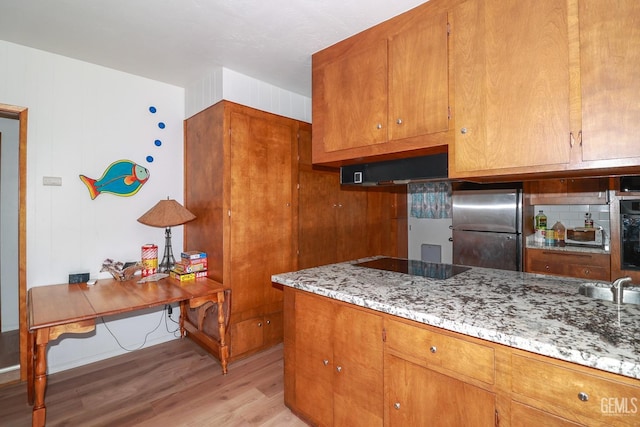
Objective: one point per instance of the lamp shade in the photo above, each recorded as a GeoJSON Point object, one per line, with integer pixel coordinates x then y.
{"type": "Point", "coordinates": [166, 213]}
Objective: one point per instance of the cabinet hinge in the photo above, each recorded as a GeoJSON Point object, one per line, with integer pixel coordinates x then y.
{"type": "Point", "coordinates": [384, 335]}
{"type": "Point", "coordinates": [497, 420]}
{"type": "Point", "coordinates": [448, 29]}
{"type": "Point", "coordinates": [229, 213]}
{"type": "Point", "coordinates": [449, 112]}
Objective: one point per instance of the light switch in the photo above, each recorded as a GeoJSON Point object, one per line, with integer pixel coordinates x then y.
{"type": "Point", "coordinates": [52, 180]}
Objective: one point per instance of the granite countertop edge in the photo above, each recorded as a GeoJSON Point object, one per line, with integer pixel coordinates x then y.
{"type": "Point", "coordinates": [581, 356]}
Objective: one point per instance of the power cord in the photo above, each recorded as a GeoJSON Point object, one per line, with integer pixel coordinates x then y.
{"type": "Point", "coordinates": [169, 311]}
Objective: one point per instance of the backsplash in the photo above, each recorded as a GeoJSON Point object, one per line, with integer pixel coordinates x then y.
{"type": "Point", "coordinates": [573, 215]}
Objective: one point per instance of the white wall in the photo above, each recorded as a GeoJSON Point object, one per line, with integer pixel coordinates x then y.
{"type": "Point", "coordinates": [81, 118]}
{"type": "Point", "coordinates": [9, 224]}
{"type": "Point", "coordinates": [222, 83]}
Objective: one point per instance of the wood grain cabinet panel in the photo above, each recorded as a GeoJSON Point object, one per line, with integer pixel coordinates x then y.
{"type": "Point", "coordinates": [575, 395]}
{"type": "Point", "coordinates": [339, 223]}
{"type": "Point", "coordinates": [338, 368]}
{"type": "Point", "coordinates": [526, 416]}
{"type": "Point", "coordinates": [438, 350]}
{"type": "Point", "coordinates": [417, 396]}
{"type": "Point", "coordinates": [511, 78]}
{"type": "Point", "coordinates": [241, 183]}
{"type": "Point", "coordinates": [572, 264]}
{"type": "Point", "coordinates": [375, 93]}
{"type": "Point", "coordinates": [610, 80]}
{"type": "Point", "coordinates": [568, 191]}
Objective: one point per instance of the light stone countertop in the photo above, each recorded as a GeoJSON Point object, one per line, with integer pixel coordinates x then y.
{"type": "Point", "coordinates": [538, 313]}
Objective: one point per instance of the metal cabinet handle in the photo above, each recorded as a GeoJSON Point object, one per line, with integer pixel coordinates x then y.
{"type": "Point", "coordinates": [325, 362]}
{"type": "Point", "coordinates": [339, 368]}
{"type": "Point", "coordinates": [396, 405]}
{"type": "Point", "coordinates": [399, 121]}
{"type": "Point", "coordinates": [583, 396]}
{"type": "Point", "coordinates": [433, 349]}
{"type": "Point", "coordinates": [259, 324]}
{"type": "Point", "coordinates": [268, 322]}
{"type": "Point", "coordinates": [379, 126]}
{"type": "Point", "coordinates": [463, 130]}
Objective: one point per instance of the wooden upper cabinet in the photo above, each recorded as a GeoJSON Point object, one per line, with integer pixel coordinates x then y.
{"type": "Point", "coordinates": [568, 191]}
{"type": "Point", "coordinates": [610, 80]}
{"type": "Point", "coordinates": [511, 78]}
{"type": "Point", "coordinates": [355, 99]}
{"type": "Point", "coordinates": [380, 92]}
{"type": "Point", "coordinates": [418, 79]}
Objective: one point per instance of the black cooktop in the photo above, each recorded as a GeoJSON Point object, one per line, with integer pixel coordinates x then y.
{"type": "Point", "coordinates": [432, 270]}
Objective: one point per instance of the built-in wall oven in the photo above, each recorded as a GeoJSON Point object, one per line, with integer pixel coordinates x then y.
{"type": "Point", "coordinates": [630, 234]}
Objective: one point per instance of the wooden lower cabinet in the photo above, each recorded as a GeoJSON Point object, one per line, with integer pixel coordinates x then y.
{"type": "Point", "coordinates": [257, 332]}
{"type": "Point", "coordinates": [350, 366]}
{"type": "Point", "coordinates": [338, 369]}
{"type": "Point", "coordinates": [417, 396]}
{"type": "Point", "coordinates": [573, 264]}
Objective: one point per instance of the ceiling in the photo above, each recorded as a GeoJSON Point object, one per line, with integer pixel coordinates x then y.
{"type": "Point", "coordinates": [179, 41]}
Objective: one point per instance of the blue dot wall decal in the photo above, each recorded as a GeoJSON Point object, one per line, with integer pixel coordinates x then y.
{"type": "Point", "coordinates": [157, 142]}
{"type": "Point", "coordinates": [161, 125]}
{"type": "Point", "coordinates": [150, 159]}
{"type": "Point", "coordinates": [152, 109]}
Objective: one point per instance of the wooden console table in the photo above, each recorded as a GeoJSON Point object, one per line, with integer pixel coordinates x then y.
{"type": "Point", "coordinates": [73, 308]}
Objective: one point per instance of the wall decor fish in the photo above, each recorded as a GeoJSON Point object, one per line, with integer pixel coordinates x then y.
{"type": "Point", "coordinates": [122, 178]}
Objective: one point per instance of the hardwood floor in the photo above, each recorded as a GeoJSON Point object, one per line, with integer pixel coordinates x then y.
{"type": "Point", "coordinates": [174, 384]}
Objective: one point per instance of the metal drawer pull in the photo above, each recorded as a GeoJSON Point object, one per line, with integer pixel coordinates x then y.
{"type": "Point", "coordinates": [583, 396]}
{"type": "Point", "coordinates": [339, 368]}
{"type": "Point", "coordinates": [433, 349]}
{"type": "Point", "coordinates": [325, 362]}
{"type": "Point", "coordinates": [396, 405]}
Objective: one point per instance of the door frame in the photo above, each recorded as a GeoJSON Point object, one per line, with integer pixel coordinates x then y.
{"type": "Point", "coordinates": [20, 114]}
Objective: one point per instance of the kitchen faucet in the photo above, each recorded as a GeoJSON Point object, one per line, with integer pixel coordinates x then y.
{"type": "Point", "coordinates": [617, 288]}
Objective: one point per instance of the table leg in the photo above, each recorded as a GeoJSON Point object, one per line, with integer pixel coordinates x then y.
{"type": "Point", "coordinates": [31, 337]}
{"type": "Point", "coordinates": [40, 380]}
{"type": "Point", "coordinates": [224, 349]}
{"type": "Point", "coordinates": [183, 312]}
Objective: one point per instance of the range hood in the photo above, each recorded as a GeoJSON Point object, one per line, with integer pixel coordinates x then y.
{"type": "Point", "coordinates": [394, 172]}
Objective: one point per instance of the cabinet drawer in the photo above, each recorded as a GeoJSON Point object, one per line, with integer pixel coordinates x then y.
{"type": "Point", "coordinates": [434, 349]}
{"type": "Point", "coordinates": [572, 264]}
{"type": "Point", "coordinates": [577, 395]}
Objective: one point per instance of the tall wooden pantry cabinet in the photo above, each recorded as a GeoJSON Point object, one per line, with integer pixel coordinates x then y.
{"type": "Point", "coordinates": [261, 208]}
{"type": "Point", "coordinates": [240, 183]}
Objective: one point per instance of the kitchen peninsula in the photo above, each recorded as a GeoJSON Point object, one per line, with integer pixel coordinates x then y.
{"type": "Point", "coordinates": [502, 345]}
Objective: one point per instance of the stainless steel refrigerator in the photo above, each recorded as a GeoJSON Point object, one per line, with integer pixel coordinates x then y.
{"type": "Point", "coordinates": [487, 228]}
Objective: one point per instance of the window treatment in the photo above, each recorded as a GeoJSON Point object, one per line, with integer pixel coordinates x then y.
{"type": "Point", "coordinates": [430, 199]}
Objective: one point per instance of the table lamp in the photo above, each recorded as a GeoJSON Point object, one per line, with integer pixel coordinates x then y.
{"type": "Point", "coordinates": [166, 213]}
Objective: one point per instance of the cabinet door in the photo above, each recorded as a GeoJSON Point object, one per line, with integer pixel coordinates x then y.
{"type": "Point", "coordinates": [358, 368]}
{"type": "Point", "coordinates": [417, 396]}
{"type": "Point", "coordinates": [261, 212]}
{"type": "Point", "coordinates": [352, 97]}
{"type": "Point", "coordinates": [351, 224]}
{"type": "Point", "coordinates": [314, 358]}
{"type": "Point", "coordinates": [317, 218]}
{"type": "Point", "coordinates": [418, 79]}
{"type": "Point", "coordinates": [511, 79]}
{"type": "Point", "coordinates": [610, 78]}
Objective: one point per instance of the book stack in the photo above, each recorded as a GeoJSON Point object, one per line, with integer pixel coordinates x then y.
{"type": "Point", "coordinates": [192, 264]}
